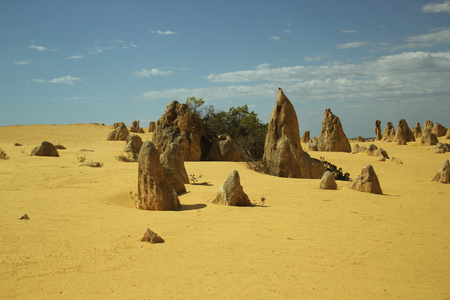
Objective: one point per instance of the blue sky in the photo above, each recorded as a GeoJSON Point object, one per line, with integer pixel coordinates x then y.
{"type": "Point", "coordinates": [108, 61]}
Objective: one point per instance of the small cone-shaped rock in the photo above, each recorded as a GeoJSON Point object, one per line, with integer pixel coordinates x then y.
{"type": "Point", "coordinates": [438, 130]}
{"type": "Point", "coordinates": [332, 137]}
{"type": "Point", "coordinates": [231, 192]}
{"type": "Point", "coordinates": [367, 181]}
{"type": "Point", "coordinates": [24, 217]}
{"type": "Point", "coordinates": [174, 170]}
{"type": "Point", "coordinates": [45, 149]}
{"type": "Point", "coordinates": [119, 134]}
{"type": "Point", "coordinates": [283, 153]}
{"type": "Point", "coordinates": [417, 131]}
{"type": "Point", "coordinates": [389, 132]}
{"type": "Point", "coordinates": [154, 191]}
{"type": "Point", "coordinates": [443, 175]}
{"type": "Point", "coordinates": [152, 237]}
{"type": "Point", "coordinates": [328, 181]}
{"type": "Point", "coordinates": [378, 135]}
{"type": "Point", "coordinates": [403, 132]}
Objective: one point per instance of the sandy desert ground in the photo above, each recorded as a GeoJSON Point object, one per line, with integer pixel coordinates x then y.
{"type": "Point", "coordinates": [83, 237]}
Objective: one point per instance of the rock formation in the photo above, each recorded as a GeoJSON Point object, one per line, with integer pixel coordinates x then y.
{"type": "Point", "coordinates": [438, 130]}
{"type": "Point", "coordinates": [378, 152]}
{"type": "Point", "coordinates": [397, 160]}
{"type": "Point", "coordinates": [118, 124]}
{"type": "Point", "coordinates": [332, 137]}
{"type": "Point", "coordinates": [389, 132]}
{"type": "Point", "coordinates": [306, 137]}
{"type": "Point", "coordinates": [447, 135]}
{"type": "Point", "coordinates": [45, 149]}
{"type": "Point", "coordinates": [231, 192]}
{"type": "Point", "coordinates": [283, 153]}
{"type": "Point", "coordinates": [328, 181]}
{"type": "Point", "coordinates": [403, 132]}
{"type": "Point", "coordinates": [428, 138]}
{"type": "Point", "coordinates": [180, 125]}
{"type": "Point", "coordinates": [443, 175]}
{"type": "Point", "coordinates": [225, 149]}
{"type": "Point", "coordinates": [152, 237]}
{"type": "Point", "coordinates": [441, 148]}
{"type": "Point", "coordinates": [92, 164]}
{"type": "Point", "coordinates": [172, 162]}
{"type": "Point", "coordinates": [417, 131]}
{"type": "Point", "coordinates": [133, 143]}
{"type": "Point", "coordinates": [357, 148]}
{"type": "Point", "coordinates": [312, 144]}
{"type": "Point", "coordinates": [119, 134]}
{"type": "Point", "coordinates": [360, 139]}
{"type": "Point", "coordinates": [154, 191]}
{"type": "Point", "coordinates": [367, 181]}
{"type": "Point", "coordinates": [378, 135]}
{"type": "Point", "coordinates": [151, 126]}
{"type": "Point", "coordinates": [135, 127]}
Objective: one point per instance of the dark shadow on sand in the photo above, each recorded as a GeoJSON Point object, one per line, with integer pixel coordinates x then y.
{"type": "Point", "coordinates": [192, 206]}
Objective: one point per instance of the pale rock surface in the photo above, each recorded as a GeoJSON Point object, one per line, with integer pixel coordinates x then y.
{"type": "Point", "coordinates": [154, 191]}
{"type": "Point", "coordinates": [443, 175]}
{"type": "Point", "coordinates": [388, 132]}
{"type": "Point", "coordinates": [367, 181]}
{"type": "Point", "coordinates": [404, 132]}
{"type": "Point", "coordinates": [332, 137]}
{"type": "Point", "coordinates": [172, 162]}
{"type": "Point", "coordinates": [439, 130]}
{"type": "Point", "coordinates": [231, 192]}
{"type": "Point", "coordinates": [151, 237]}
{"type": "Point", "coordinates": [283, 153]}
{"type": "Point", "coordinates": [180, 125]}
{"type": "Point", "coordinates": [357, 148]}
{"type": "Point", "coordinates": [45, 149]}
{"type": "Point", "coordinates": [133, 143]}
{"type": "Point", "coordinates": [119, 134]}
{"type": "Point", "coordinates": [397, 160]}
{"type": "Point", "coordinates": [328, 182]}
{"type": "Point", "coordinates": [428, 139]}
{"type": "Point", "coordinates": [441, 148]}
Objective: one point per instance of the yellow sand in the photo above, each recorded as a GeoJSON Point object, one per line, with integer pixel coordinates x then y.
{"type": "Point", "coordinates": [83, 237]}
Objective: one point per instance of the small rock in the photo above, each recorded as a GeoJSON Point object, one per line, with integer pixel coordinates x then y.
{"type": "Point", "coordinates": [93, 164]}
{"type": "Point", "coordinates": [152, 237]}
{"type": "Point", "coordinates": [61, 147]}
{"type": "Point", "coordinates": [328, 181]}
{"type": "Point", "coordinates": [443, 175]}
{"type": "Point", "coordinates": [231, 192]}
{"type": "Point", "coordinates": [24, 217]}
{"type": "Point", "coordinates": [367, 181]}
{"type": "Point", "coordinates": [17, 144]}
{"type": "Point", "coordinates": [396, 160]}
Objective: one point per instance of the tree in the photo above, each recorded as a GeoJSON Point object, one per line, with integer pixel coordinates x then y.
{"type": "Point", "coordinates": [242, 125]}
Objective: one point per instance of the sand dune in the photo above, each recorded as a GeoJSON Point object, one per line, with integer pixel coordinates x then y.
{"type": "Point", "coordinates": [83, 237]}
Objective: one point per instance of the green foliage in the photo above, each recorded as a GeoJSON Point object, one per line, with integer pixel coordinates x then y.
{"type": "Point", "coordinates": [337, 172]}
{"type": "Point", "coordinates": [242, 125]}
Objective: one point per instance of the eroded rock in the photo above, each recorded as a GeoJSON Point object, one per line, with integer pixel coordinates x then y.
{"type": "Point", "coordinates": [231, 192]}
{"type": "Point", "coordinates": [443, 175]}
{"type": "Point", "coordinates": [332, 137]}
{"type": "Point", "coordinates": [45, 149]}
{"type": "Point", "coordinates": [367, 181]}
{"type": "Point", "coordinates": [328, 181]}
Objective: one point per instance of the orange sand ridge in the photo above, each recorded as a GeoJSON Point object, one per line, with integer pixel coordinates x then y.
{"type": "Point", "coordinates": [83, 237]}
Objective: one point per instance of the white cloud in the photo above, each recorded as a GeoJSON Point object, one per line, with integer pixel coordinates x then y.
{"type": "Point", "coordinates": [26, 62]}
{"type": "Point", "coordinates": [351, 45]}
{"type": "Point", "coordinates": [287, 31]}
{"type": "Point", "coordinates": [311, 58]}
{"type": "Point", "coordinates": [78, 56]}
{"type": "Point", "coordinates": [437, 7]}
{"type": "Point", "coordinates": [349, 31]}
{"type": "Point", "coordinates": [113, 44]}
{"type": "Point", "coordinates": [439, 36]}
{"type": "Point", "coordinates": [167, 32]}
{"type": "Point", "coordinates": [275, 38]}
{"type": "Point", "coordinates": [60, 80]}
{"type": "Point", "coordinates": [153, 72]}
{"type": "Point", "coordinates": [82, 98]}
{"type": "Point", "coordinates": [41, 48]}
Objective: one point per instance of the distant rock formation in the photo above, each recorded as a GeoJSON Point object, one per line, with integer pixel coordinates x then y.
{"type": "Point", "coordinates": [441, 148]}
{"type": "Point", "coordinates": [427, 127]}
{"type": "Point", "coordinates": [283, 153]}
{"type": "Point", "coordinates": [119, 134]}
{"type": "Point", "coordinates": [312, 144]}
{"type": "Point", "coordinates": [154, 191]}
{"type": "Point", "coordinates": [224, 148]}
{"type": "Point", "coordinates": [133, 143]}
{"type": "Point", "coordinates": [417, 131]}
{"type": "Point", "coordinates": [357, 148]}
{"type": "Point", "coordinates": [367, 181]}
{"type": "Point", "coordinates": [360, 139]}
{"type": "Point", "coordinates": [388, 132]}
{"type": "Point", "coordinates": [373, 150]}
{"type": "Point", "coordinates": [447, 135]}
{"type": "Point", "coordinates": [180, 125]}
{"type": "Point", "coordinates": [332, 137]}
{"type": "Point", "coordinates": [231, 192]}
{"type": "Point", "coordinates": [135, 127]}
{"type": "Point", "coordinates": [152, 126]}
{"type": "Point", "coordinates": [403, 132]}
{"type": "Point", "coordinates": [378, 134]}
{"type": "Point", "coordinates": [45, 149]}
{"type": "Point", "coordinates": [443, 175]}
{"type": "Point", "coordinates": [328, 182]}
{"type": "Point", "coordinates": [118, 124]}
{"type": "Point", "coordinates": [428, 138]}
{"type": "Point", "coordinates": [306, 137]}
{"type": "Point", "coordinates": [172, 162]}
{"type": "Point", "coordinates": [439, 130]}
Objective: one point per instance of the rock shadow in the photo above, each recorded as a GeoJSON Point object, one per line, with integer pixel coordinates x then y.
{"type": "Point", "coordinates": [192, 206]}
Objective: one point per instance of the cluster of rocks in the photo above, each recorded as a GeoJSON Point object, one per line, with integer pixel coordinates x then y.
{"type": "Point", "coordinates": [372, 150]}
{"type": "Point", "coordinates": [135, 127]}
